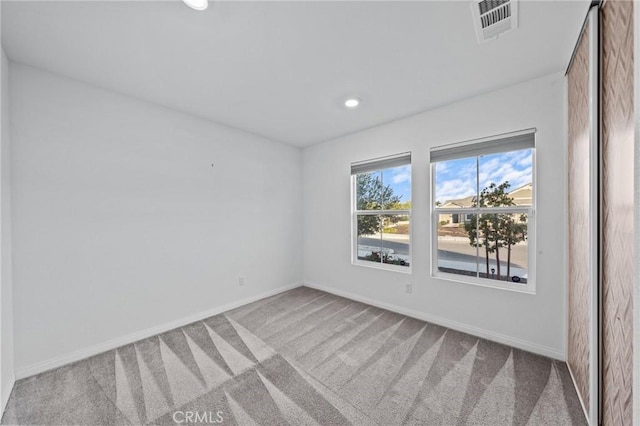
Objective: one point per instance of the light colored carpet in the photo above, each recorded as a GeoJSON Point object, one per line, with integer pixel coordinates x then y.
{"type": "Point", "coordinates": [304, 357]}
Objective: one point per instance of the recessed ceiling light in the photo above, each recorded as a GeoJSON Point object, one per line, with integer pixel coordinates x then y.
{"type": "Point", "coordinates": [352, 103]}
{"type": "Point", "coordinates": [197, 4]}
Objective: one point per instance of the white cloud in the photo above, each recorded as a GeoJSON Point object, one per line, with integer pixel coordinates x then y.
{"type": "Point", "coordinates": [401, 174]}
{"type": "Point", "coordinates": [518, 178]}
{"type": "Point", "coordinates": [441, 167]}
{"type": "Point", "coordinates": [454, 189]}
{"type": "Point", "coordinates": [525, 162]}
{"type": "Point", "coordinates": [455, 179]}
{"type": "Point", "coordinates": [514, 167]}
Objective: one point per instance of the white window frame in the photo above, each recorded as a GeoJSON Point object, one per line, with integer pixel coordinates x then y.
{"type": "Point", "coordinates": [475, 146]}
{"type": "Point", "coordinates": [354, 221]}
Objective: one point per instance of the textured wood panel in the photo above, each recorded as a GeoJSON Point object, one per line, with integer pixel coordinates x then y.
{"type": "Point", "coordinates": [578, 98]}
{"type": "Point", "coordinates": [617, 210]}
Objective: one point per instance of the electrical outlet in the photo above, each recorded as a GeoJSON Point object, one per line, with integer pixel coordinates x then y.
{"type": "Point", "coordinates": [408, 288]}
{"type": "Point", "coordinates": [240, 280]}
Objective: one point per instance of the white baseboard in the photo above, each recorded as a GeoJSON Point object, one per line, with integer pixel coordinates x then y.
{"type": "Point", "coordinates": [6, 393]}
{"type": "Point", "coordinates": [465, 328]}
{"type": "Point", "coordinates": [143, 334]}
{"type": "Point", "coordinates": [575, 386]}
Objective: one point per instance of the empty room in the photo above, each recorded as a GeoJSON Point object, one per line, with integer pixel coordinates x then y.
{"type": "Point", "coordinates": [320, 212]}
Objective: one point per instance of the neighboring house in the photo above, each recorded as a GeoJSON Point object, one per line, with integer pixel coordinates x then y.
{"type": "Point", "coordinates": [522, 196]}
{"type": "Point", "coordinates": [461, 203]}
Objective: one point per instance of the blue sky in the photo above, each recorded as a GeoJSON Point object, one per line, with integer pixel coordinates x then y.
{"type": "Point", "coordinates": [457, 178]}
{"type": "Point", "coordinates": [400, 180]}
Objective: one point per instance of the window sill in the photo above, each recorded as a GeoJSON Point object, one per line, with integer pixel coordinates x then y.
{"type": "Point", "coordinates": [528, 288]}
{"type": "Point", "coordinates": [383, 266]}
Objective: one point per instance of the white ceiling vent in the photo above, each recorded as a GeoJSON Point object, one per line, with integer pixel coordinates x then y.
{"type": "Point", "coordinates": [493, 17]}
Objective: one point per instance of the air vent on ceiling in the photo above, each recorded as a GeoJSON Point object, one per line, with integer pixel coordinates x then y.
{"type": "Point", "coordinates": [493, 17]}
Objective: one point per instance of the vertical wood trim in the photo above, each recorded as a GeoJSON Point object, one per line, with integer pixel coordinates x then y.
{"type": "Point", "coordinates": [579, 341]}
{"type": "Point", "coordinates": [594, 217]}
{"type": "Point", "coordinates": [617, 210]}
{"type": "Point", "coordinates": [636, 292]}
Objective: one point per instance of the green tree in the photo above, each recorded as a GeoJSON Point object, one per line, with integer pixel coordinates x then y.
{"type": "Point", "coordinates": [404, 206]}
{"type": "Point", "coordinates": [514, 230]}
{"type": "Point", "coordinates": [371, 194]}
{"type": "Point", "coordinates": [497, 196]}
{"type": "Point", "coordinates": [493, 231]}
{"type": "Point", "coordinates": [480, 231]}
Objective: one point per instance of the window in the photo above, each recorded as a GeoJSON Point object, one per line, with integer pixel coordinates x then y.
{"type": "Point", "coordinates": [381, 212]}
{"type": "Point", "coordinates": [483, 211]}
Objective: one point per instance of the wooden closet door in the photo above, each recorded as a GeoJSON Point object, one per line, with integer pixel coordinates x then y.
{"type": "Point", "coordinates": [579, 218]}
{"type": "Point", "coordinates": [617, 162]}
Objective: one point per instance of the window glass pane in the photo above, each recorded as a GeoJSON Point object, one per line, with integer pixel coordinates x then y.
{"type": "Point", "coordinates": [503, 247]}
{"type": "Point", "coordinates": [517, 248]}
{"type": "Point", "coordinates": [369, 241]}
{"type": "Point", "coordinates": [456, 183]}
{"type": "Point", "coordinates": [383, 239]}
{"type": "Point", "coordinates": [508, 177]}
{"type": "Point", "coordinates": [456, 245]}
{"type": "Point", "coordinates": [491, 246]}
{"type": "Point", "coordinates": [501, 241]}
{"type": "Point", "coordinates": [369, 191]}
{"type": "Point", "coordinates": [396, 240]}
{"type": "Point", "coordinates": [397, 188]}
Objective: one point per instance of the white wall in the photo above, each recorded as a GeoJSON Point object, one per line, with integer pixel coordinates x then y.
{"type": "Point", "coordinates": [6, 297]}
{"type": "Point", "coordinates": [534, 322]}
{"type": "Point", "coordinates": [121, 223]}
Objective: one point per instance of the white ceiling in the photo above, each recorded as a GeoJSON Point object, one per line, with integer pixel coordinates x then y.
{"type": "Point", "coordinates": [283, 69]}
